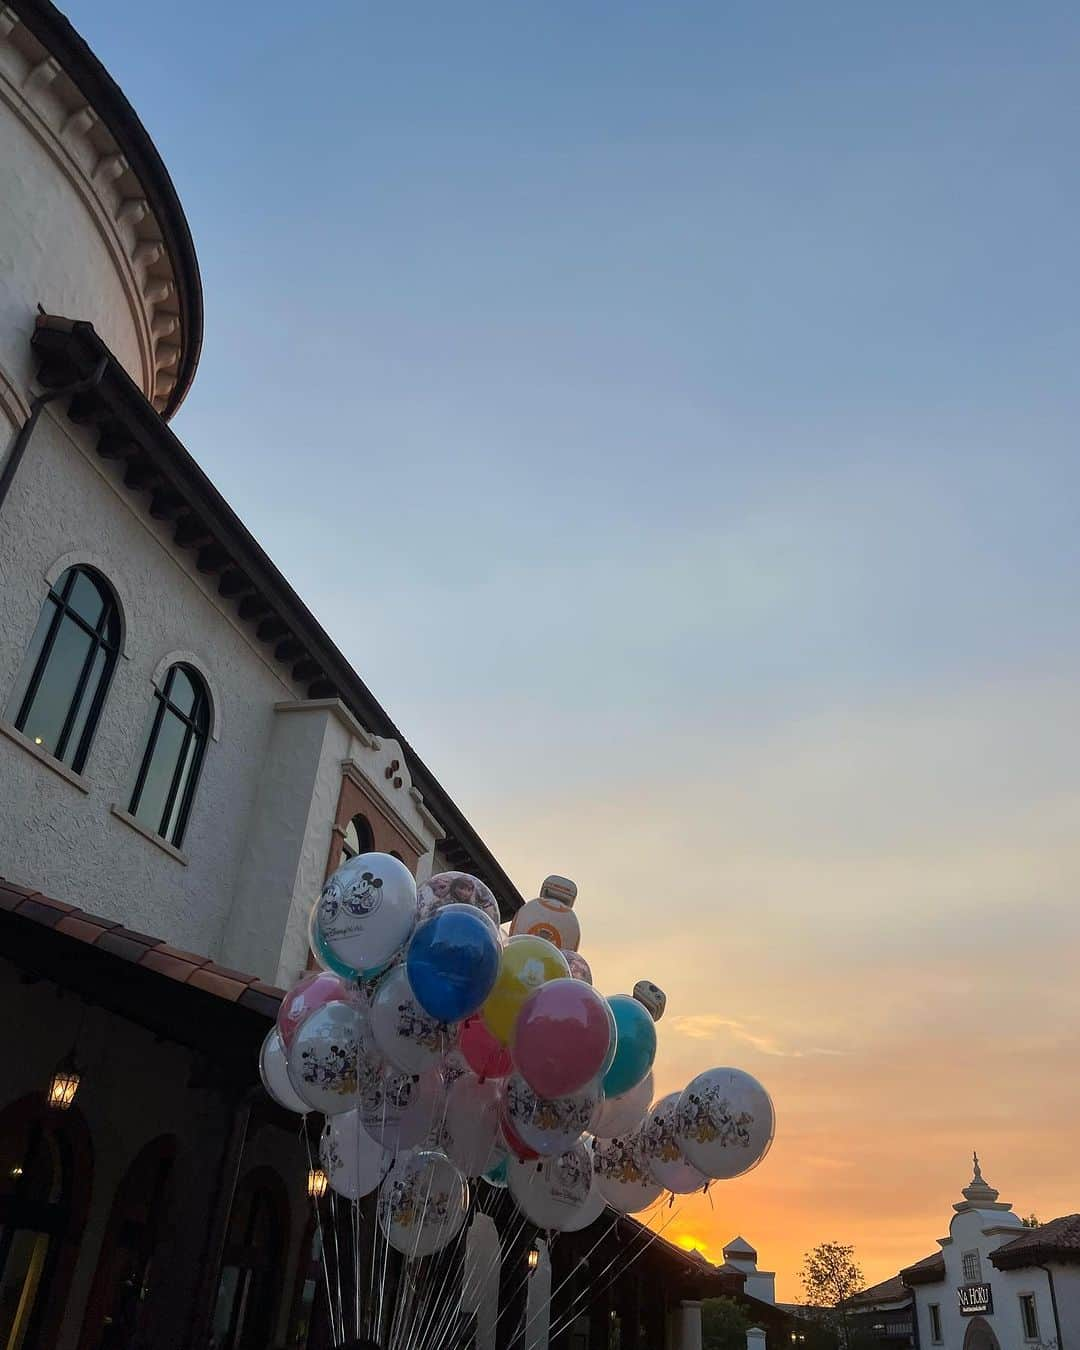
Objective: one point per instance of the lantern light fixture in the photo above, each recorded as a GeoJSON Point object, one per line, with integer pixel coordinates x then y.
{"type": "Point", "coordinates": [533, 1258]}
{"type": "Point", "coordinates": [64, 1083]}
{"type": "Point", "coordinates": [317, 1182]}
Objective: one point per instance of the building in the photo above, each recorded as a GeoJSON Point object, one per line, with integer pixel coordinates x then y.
{"type": "Point", "coordinates": [882, 1315]}
{"type": "Point", "coordinates": [996, 1283]}
{"type": "Point", "coordinates": [184, 757]}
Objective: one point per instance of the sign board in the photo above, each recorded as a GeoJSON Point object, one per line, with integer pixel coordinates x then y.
{"type": "Point", "coordinates": [975, 1299]}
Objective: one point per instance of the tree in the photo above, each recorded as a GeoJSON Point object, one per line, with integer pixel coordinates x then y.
{"type": "Point", "coordinates": [831, 1276]}
{"type": "Point", "coordinates": [723, 1325]}
{"type": "Point", "coordinates": [1030, 1222]}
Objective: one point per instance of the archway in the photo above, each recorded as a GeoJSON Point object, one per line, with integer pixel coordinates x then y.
{"type": "Point", "coordinates": [980, 1335]}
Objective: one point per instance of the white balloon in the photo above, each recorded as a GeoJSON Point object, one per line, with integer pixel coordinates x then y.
{"type": "Point", "coordinates": [624, 1114]}
{"type": "Point", "coordinates": [549, 1127]}
{"type": "Point", "coordinates": [456, 888]}
{"type": "Point", "coordinates": [455, 1066]}
{"type": "Point", "coordinates": [590, 1211]}
{"type": "Point", "coordinates": [353, 1162]}
{"type": "Point", "coordinates": [621, 1176]}
{"type": "Point", "coordinates": [472, 1124]}
{"type": "Point", "coordinates": [422, 1203]}
{"type": "Point", "coordinates": [274, 1072]}
{"type": "Point", "coordinates": [408, 1036]}
{"type": "Point", "coordinates": [724, 1122]}
{"type": "Point", "coordinates": [549, 919]}
{"type": "Point", "coordinates": [333, 1057]}
{"type": "Point", "coordinates": [552, 1193]}
{"type": "Point", "coordinates": [399, 1110]}
{"type": "Point", "coordinates": [661, 1152]}
{"type": "Point", "coordinates": [367, 911]}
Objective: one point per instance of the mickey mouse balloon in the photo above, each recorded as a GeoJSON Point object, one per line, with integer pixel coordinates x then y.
{"type": "Point", "coordinates": [365, 915]}
{"type": "Point", "coordinates": [724, 1123]}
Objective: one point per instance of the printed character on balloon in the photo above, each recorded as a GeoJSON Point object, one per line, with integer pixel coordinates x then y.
{"type": "Point", "coordinates": [357, 898]}
{"type": "Point", "coordinates": [551, 915]}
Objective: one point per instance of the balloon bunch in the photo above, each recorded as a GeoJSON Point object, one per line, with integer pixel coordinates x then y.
{"type": "Point", "coordinates": [443, 1052]}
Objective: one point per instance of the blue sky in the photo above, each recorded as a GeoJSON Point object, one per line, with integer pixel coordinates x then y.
{"type": "Point", "coordinates": [671, 410]}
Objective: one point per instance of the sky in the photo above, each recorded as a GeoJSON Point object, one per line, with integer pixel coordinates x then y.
{"type": "Point", "coordinates": [671, 411]}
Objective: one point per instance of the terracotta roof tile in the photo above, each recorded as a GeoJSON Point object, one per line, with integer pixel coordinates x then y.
{"type": "Point", "coordinates": [118, 942]}
{"type": "Point", "coordinates": [181, 955]}
{"type": "Point", "coordinates": [172, 966]}
{"type": "Point", "coordinates": [136, 936]}
{"type": "Point", "coordinates": [81, 926]}
{"type": "Point", "coordinates": [41, 911]}
{"type": "Point", "coordinates": [220, 985]}
{"type": "Point", "coordinates": [887, 1291]}
{"type": "Point", "coordinates": [11, 896]}
{"type": "Point", "coordinates": [927, 1271]}
{"type": "Point", "coordinates": [259, 1002]}
{"type": "Point", "coordinates": [1059, 1239]}
{"type": "Point", "coordinates": [270, 990]}
{"type": "Point", "coordinates": [242, 976]}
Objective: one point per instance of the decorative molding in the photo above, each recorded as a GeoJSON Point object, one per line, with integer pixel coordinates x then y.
{"type": "Point", "coordinates": [51, 106]}
{"type": "Point", "coordinates": [84, 558]}
{"type": "Point", "coordinates": [436, 828]}
{"type": "Point", "coordinates": [50, 761]}
{"type": "Point", "coordinates": [148, 835]}
{"type": "Point", "coordinates": [356, 775]}
{"type": "Point", "coordinates": [339, 710]}
{"type": "Point", "coordinates": [12, 399]}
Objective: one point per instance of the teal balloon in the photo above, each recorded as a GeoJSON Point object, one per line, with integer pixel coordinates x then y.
{"type": "Point", "coordinates": [635, 1046]}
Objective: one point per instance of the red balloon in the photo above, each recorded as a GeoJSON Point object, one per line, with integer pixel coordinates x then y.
{"type": "Point", "coordinates": [487, 1057]}
{"type": "Point", "coordinates": [563, 1037]}
{"type": "Point", "coordinates": [514, 1141]}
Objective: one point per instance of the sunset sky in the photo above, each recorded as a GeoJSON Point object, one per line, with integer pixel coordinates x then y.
{"type": "Point", "coordinates": [671, 409]}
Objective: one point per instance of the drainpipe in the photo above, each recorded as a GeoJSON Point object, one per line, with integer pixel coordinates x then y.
{"type": "Point", "coordinates": [1053, 1302]}
{"type": "Point", "coordinates": [22, 439]}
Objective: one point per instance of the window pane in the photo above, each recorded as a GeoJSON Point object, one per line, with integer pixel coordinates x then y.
{"type": "Point", "coordinates": [182, 691]}
{"type": "Point", "coordinates": [86, 600]}
{"type": "Point", "coordinates": [164, 757]}
{"type": "Point", "coordinates": [97, 674]}
{"type": "Point", "coordinates": [45, 718]}
{"type": "Point", "coordinates": [171, 831]}
{"type": "Point", "coordinates": [30, 660]}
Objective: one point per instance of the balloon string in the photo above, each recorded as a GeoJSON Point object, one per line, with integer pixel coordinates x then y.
{"type": "Point", "coordinates": [323, 1255]}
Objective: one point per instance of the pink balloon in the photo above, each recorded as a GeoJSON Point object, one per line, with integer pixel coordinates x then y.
{"type": "Point", "coordinates": [487, 1057]}
{"type": "Point", "coordinates": [514, 1141]}
{"type": "Point", "coordinates": [562, 1037]}
{"type": "Point", "coordinates": [311, 991]}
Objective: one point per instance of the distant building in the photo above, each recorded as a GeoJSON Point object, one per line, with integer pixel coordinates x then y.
{"type": "Point", "coordinates": [760, 1284]}
{"type": "Point", "coordinates": [993, 1285]}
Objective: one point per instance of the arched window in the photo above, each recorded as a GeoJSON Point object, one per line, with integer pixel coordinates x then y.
{"type": "Point", "coordinates": [179, 727]}
{"type": "Point", "coordinates": [358, 839]}
{"type": "Point", "coordinates": [249, 1291]}
{"type": "Point", "coordinates": [45, 1168]}
{"type": "Point", "coordinates": [68, 666]}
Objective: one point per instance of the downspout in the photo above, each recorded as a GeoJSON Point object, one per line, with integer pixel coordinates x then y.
{"type": "Point", "coordinates": [1053, 1302]}
{"type": "Point", "coordinates": [22, 439]}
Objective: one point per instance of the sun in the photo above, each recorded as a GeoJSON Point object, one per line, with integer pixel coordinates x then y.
{"type": "Point", "coordinates": [690, 1242]}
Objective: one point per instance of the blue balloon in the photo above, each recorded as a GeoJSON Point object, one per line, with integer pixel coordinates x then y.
{"type": "Point", "coordinates": [635, 1048]}
{"type": "Point", "coordinates": [453, 961]}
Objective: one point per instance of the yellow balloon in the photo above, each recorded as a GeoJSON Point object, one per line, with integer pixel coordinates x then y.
{"type": "Point", "coordinates": [527, 963]}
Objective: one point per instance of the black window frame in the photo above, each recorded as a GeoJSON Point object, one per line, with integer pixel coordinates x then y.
{"type": "Point", "coordinates": [196, 724]}
{"type": "Point", "coordinates": [104, 635]}
{"type": "Point", "coordinates": [366, 845]}
{"type": "Point", "coordinates": [935, 1323]}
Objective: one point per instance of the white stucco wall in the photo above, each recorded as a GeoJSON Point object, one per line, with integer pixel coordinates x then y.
{"type": "Point", "coordinates": [64, 840]}
{"type": "Point", "coordinates": [984, 1231]}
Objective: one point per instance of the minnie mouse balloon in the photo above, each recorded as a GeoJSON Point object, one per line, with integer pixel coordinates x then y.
{"type": "Point", "coordinates": [353, 1162]}
{"type": "Point", "coordinates": [274, 1072]}
{"type": "Point", "coordinates": [548, 1127]}
{"type": "Point", "coordinates": [552, 1194]}
{"type": "Point", "coordinates": [453, 962]}
{"type": "Point", "coordinates": [399, 1110]}
{"type": "Point", "coordinates": [661, 1152]}
{"type": "Point", "coordinates": [365, 914]}
{"type": "Point", "coordinates": [564, 1037]}
{"type": "Point", "coordinates": [724, 1122]}
{"type": "Point", "coordinates": [422, 1203]}
{"type": "Point", "coordinates": [623, 1115]}
{"type": "Point", "coordinates": [621, 1176]}
{"type": "Point", "coordinates": [456, 888]}
{"type": "Point", "coordinates": [333, 1058]}
{"type": "Point", "coordinates": [409, 1037]}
